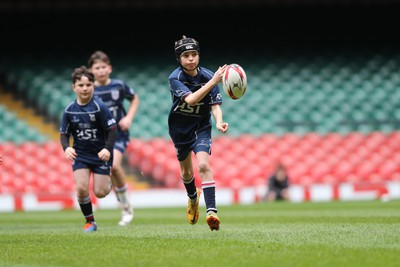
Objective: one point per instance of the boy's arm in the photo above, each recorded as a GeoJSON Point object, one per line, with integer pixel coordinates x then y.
{"type": "Point", "coordinates": [125, 122]}
{"type": "Point", "coordinates": [193, 98]}
{"type": "Point", "coordinates": [112, 136]}
{"type": "Point", "coordinates": [217, 114]}
{"type": "Point", "coordinates": [69, 152]}
{"type": "Point", "coordinates": [106, 152]}
{"type": "Point", "coordinates": [64, 141]}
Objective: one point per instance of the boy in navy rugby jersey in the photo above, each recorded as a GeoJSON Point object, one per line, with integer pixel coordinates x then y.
{"type": "Point", "coordinates": [195, 96]}
{"type": "Point", "coordinates": [114, 92]}
{"type": "Point", "coordinates": [93, 128]}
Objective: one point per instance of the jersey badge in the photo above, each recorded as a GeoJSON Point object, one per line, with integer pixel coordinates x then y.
{"type": "Point", "coordinates": [92, 117]}
{"type": "Point", "coordinates": [115, 94]}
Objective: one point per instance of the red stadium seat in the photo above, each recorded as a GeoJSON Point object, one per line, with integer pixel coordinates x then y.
{"type": "Point", "coordinates": [330, 158]}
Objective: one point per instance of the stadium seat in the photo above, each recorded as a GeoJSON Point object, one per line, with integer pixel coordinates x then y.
{"type": "Point", "coordinates": [35, 167]}
{"type": "Point", "coordinates": [329, 118]}
{"type": "Point", "coordinates": [310, 158]}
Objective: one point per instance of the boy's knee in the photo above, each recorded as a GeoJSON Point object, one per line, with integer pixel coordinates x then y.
{"type": "Point", "coordinates": [204, 167]}
{"type": "Point", "coordinates": [102, 193]}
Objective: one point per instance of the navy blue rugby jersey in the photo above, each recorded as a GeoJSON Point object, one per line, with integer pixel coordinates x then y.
{"type": "Point", "coordinates": [184, 120]}
{"type": "Point", "coordinates": [113, 95]}
{"type": "Point", "coordinates": [89, 125]}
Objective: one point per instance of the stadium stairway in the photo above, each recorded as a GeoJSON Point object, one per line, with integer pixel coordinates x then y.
{"type": "Point", "coordinates": [28, 115]}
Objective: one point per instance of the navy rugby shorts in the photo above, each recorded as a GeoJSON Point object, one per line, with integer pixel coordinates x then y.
{"type": "Point", "coordinates": [104, 168]}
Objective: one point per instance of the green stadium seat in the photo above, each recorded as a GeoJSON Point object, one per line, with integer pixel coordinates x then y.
{"type": "Point", "coordinates": [286, 92]}
{"type": "Point", "coordinates": [16, 130]}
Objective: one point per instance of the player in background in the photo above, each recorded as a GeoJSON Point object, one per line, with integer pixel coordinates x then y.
{"type": "Point", "coordinates": [114, 92]}
{"type": "Point", "coordinates": [195, 96]}
{"type": "Point", "coordinates": [89, 121]}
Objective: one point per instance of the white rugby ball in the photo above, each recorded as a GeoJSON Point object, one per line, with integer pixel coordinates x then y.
{"type": "Point", "coordinates": [234, 81]}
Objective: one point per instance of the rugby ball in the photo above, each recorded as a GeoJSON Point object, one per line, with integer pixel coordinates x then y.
{"type": "Point", "coordinates": [234, 81]}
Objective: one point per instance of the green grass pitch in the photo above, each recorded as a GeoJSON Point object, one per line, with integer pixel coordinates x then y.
{"type": "Point", "coordinates": [264, 234]}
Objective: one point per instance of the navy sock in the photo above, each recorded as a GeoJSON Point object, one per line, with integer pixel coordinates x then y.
{"type": "Point", "coordinates": [86, 208]}
{"type": "Point", "coordinates": [190, 188]}
{"type": "Point", "coordinates": [209, 195]}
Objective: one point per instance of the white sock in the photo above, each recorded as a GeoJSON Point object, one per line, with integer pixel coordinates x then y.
{"type": "Point", "coordinates": [121, 194]}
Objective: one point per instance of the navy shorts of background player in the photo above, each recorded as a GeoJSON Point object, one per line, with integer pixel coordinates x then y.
{"type": "Point", "coordinates": [88, 125]}
{"type": "Point", "coordinates": [113, 95]}
{"type": "Point", "coordinates": [190, 126]}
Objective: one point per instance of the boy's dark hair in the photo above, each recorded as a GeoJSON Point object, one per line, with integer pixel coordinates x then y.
{"type": "Point", "coordinates": [99, 56]}
{"type": "Point", "coordinates": [78, 73]}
